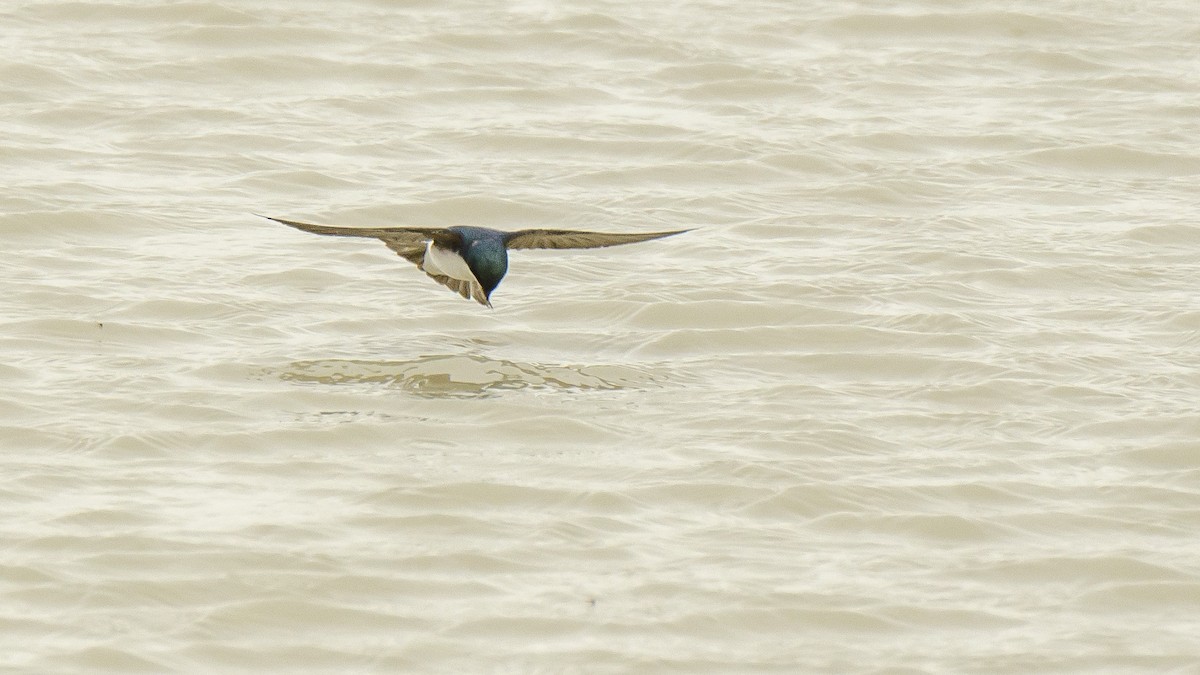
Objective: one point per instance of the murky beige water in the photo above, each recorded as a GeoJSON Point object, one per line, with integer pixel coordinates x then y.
{"type": "Point", "coordinates": [920, 394]}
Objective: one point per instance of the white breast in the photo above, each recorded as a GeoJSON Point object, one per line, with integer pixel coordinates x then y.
{"type": "Point", "coordinates": [447, 263]}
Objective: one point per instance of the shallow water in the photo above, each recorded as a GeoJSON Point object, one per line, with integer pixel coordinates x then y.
{"type": "Point", "coordinates": [919, 394]}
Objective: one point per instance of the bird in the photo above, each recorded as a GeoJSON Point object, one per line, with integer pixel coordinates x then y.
{"type": "Point", "coordinates": [468, 260]}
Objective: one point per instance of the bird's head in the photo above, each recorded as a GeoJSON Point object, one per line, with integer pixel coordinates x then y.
{"type": "Point", "coordinates": [488, 260]}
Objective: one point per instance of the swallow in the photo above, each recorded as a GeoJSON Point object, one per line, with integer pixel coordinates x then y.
{"type": "Point", "coordinates": [471, 261]}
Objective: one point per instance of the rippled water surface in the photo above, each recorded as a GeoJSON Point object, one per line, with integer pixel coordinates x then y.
{"type": "Point", "coordinates": [920, 392]}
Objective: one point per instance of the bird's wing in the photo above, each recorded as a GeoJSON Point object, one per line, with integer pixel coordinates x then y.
{"type": "Point", "coordinates": [578, 239]}
{"type": "Point", "coordinates": [408, 242]}
{"type": "Point", "coordinates": [412, 251]}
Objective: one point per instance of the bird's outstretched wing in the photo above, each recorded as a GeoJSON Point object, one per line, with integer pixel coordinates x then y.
{"type": "Point", "coordinates": [409, 243]}
{"type": "Point", "coordinates": [579, 239]}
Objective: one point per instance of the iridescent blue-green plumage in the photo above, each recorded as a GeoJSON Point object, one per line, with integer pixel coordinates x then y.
{"type": "Point", "coordinates": [471, 261]}
{"type": "Point", "coordinates": [485, 253]}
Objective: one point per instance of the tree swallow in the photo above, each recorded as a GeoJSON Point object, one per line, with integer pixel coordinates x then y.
{"type": "Point", "coordinates": [471, 261]}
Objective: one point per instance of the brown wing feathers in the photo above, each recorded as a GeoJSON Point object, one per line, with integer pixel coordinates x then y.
{"type": "Point", "coordinates": [579, 239]}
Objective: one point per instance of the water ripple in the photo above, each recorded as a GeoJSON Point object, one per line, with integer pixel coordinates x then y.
{"type": "Point", "coordinates": [455, 375]}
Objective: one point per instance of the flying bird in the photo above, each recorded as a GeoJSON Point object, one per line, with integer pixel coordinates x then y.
{"type": "Point", "coordinates": [471, 261]}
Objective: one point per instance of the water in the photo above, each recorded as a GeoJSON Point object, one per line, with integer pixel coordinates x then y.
{"type": "Point", "coordinates": [918, 395]}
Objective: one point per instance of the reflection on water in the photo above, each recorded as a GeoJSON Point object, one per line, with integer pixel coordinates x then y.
{"type": "Point", "coordinates": [460, 375]}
